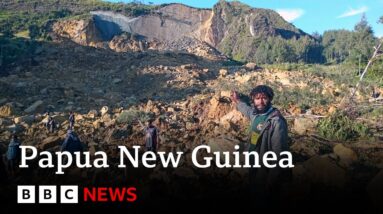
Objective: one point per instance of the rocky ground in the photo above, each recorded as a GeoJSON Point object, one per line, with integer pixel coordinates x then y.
{"type": "Point", "coordinates": [189, 94]}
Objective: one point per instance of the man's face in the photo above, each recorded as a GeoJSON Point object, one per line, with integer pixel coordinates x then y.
{"type": "Point", "coordinates": [261, 101]}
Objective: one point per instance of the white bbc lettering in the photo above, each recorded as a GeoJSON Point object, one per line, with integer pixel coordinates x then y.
{"type": "Point", "coordinates": [47, 194]}
{"type": "Point", "coordinates": [69, 194]}
{"type": "Point", "coordinates": [26, 194]}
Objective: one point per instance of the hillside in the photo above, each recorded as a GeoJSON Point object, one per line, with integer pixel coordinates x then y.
{"type": "Point", "coordinates": [232, 28]}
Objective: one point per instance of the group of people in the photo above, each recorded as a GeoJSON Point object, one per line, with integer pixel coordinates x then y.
{"type": "Point", "coordinates": [71, 143]}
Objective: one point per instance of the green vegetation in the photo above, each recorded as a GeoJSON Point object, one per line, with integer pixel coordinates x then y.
{"type": "Point", "coordinates": [12, 49]}
{"type": "Point", "coordinates": [339, 126]}
{"type": "Point", "coordinates": [274, 41]}
{"type": "Point", "coordinates": [132, 115]}
{"type": "Point", "coordinates": [19, 15]}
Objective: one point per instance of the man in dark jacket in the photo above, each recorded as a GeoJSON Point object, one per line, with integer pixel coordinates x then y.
{"type": "Point", "coordinates": [72, 143]}
{"type": "Point", "coordinates": [268, 132]}
{"type": "Point", "coordinates": [13, 155]}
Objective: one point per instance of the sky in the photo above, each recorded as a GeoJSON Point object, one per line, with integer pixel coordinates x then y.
{"type": "Point", "coordinates": [308, 15]}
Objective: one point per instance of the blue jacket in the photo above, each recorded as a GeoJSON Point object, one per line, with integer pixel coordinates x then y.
{"type": "Point", "coordinates": [13, 150]}
{"type": "Point", "coordinates": [72, 144]}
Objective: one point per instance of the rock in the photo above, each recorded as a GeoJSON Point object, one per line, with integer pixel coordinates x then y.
{"type": "Point", "coordinates": [295, 110]}
{"type": "Point", "coordinates": [97, 124]}
{"type": "Point", "coordinates": [323, 171]}
{"type": "Point", "coordinates": [29, 119]}
{"type": "Point", "coordinates": [233, 116]}
{"type": "Point", "coordinates": [35, 107]}
{"type": "Point", "coordinates": [78, 117]}
{"type": "Point", "coordinates": [60, 102]}
{"type": "Point", "coordinates": [170, 109]}
{"type": "Point", "coordinates": [251, 66]}
{"type": "Point", "coordinates": [332, 110]}
{"type": "Point", "coordinates": [60, 119]}
{"type": "Point", "coordinates": [104, 110]}
{"type": "Point", "coordinates": [375, 189]}
{"type": "Point", "coordinates": [49, 142]}
{"type": "Point", "coordinates": [305, 148]}
{"type": "Point", "coordinates": [68, 108]}
{"type": "Point", "coordinates": [117, 81]}
{"type": "Point", "coordinates": [106, 118]}
{"type": "Point", "coordinates": [225, 94]}
{"type": "Point", "coordinates": [189, 126]}
{"type": "Point", "coordinates": [5, 122]}
{"type": "Point", "coordinates": [6, 110]}
{"type": "Point", "coordinates": [92, 114]}
{"type": "Point", "coordinates": [218, 107]}
{"type": "Point", "coordinates": [187, 67]}
{"type": "Point", "coordinates": [15, 128]}
{"type": "Point", "coordinates": [304, 125]}
{"type": "Point", "coordinates": [242, 79]}
{"type": "Point", "coordinates": [223, 72]}
{"type": "Point", "coordinates": [346, 155]}
{"type": "Point", "coordinates": [223, 144]}
{"type": "Point", "coordinates": [92, 150]}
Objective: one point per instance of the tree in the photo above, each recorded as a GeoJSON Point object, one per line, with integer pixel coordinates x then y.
{"type": "Point", "coordinates": [7, 30]}
{"type": "Point", "coordinates": [362, 41]}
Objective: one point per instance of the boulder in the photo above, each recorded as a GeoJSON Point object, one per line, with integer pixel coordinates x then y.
{"type": "Point", "coordinates": [35, 107]}
{"type": "Point", "coordinates": [29, 119]}
{"type": "Point", "coordinates": [49, 142]}
{"type": "Point", "coordinates": [251, 66]}
{"type": "Point", "coordinates": [104, 110]}
{"type": "Point", "coordinates": [223, 72]}
{"type": "Point", "coordinates": [346, 155]}
{"type": "Point", "coordinates": [6, 110]}
{"type": "Point", "coordinates": [304, 125]}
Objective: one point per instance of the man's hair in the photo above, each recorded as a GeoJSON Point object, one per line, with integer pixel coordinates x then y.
{"type": "Point", "coordinates": [262, 89]}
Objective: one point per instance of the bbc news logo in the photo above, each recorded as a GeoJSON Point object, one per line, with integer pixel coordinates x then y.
{"type": "Point", "coordinates": [70, 194]}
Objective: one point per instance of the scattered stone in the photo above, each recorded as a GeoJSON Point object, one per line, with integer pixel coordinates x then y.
{"type": "Point", "coordinates": [223, 72]}
{"type": "Point", "coordinates": [6, 110]}
{"type": "Point", "coordinates": [104, 110]}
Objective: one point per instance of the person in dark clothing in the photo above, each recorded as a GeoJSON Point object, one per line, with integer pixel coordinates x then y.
{"type": "Point", "coordinates": [151, 136]}
{"type": "Point", "coordinates": [72, 143]}
{"type": "Point", "coordinates": [51, 124]}
{"type": "Point", "coordinates": [13, 155]}
{"type": "Point", "coordinates": [71, 120]}
{"type": "Point", "coordinates": [268, 132]}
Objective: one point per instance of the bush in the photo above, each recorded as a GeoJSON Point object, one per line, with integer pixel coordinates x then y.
{"type": "Point", "coordinates": [339, 126]}
{"type": "Point", "coordinates": [130, 116]}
